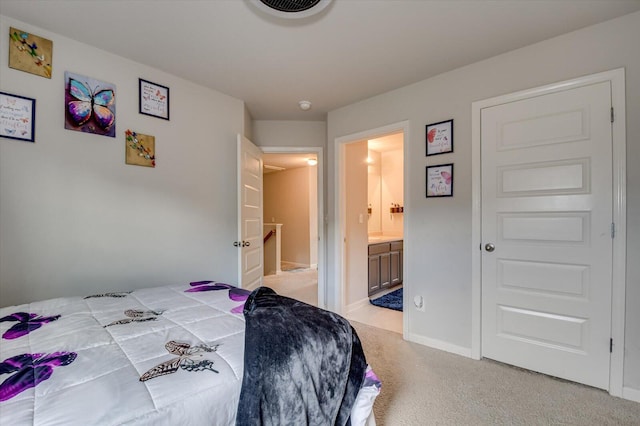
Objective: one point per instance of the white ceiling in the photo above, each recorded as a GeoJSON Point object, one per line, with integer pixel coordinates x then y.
{"type": "Point", "coordinates": [352, 50]}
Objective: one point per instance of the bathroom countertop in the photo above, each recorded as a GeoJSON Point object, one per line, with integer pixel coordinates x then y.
{"type": "Point", "coordinates": [384, 238]}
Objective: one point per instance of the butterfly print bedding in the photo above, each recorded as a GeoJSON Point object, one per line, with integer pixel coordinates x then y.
{"type": "Point", "coordinates": [136, 315]}
{"type": "Point", "coordinates": [236, 294]}
{"type": "Point", "coordinates": [29, 370]}
{"type": "Point", "coordinates": [27, 322]}
{"type": "Point", "coordinates": [116, 295]}
{"type": "Point", "coordinates": [189, 359]}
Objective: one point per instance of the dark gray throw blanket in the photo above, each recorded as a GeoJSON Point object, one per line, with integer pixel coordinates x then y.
{"type": "Point", "coordinates": [302, 365]}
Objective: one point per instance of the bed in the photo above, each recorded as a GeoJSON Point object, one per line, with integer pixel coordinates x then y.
{"type": "Point", "coordinates": [177, 355]}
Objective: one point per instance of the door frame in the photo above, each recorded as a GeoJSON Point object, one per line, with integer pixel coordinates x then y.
{"type": "Point", "coordinates": [322, 264]}
{"type": "Point", "coordinates": [617, 79]}
{"type": "Point", "coordinates": [340, 209]}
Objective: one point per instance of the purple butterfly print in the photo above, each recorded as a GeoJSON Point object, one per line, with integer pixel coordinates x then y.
{"type": "Point", "coordinates": [30, 370]}
{"type": "Point", "coordinates": [207, 286]}
{"type": "Point", "coordinates": [371, 379]}
{"type": "Point", "coordinates": [238, 295]}
{"type": "Point", "coordinates": [194, 283]}
{"type": "Point", "coordinates": [27, 322]}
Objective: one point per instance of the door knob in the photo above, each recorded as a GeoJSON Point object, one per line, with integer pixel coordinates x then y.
{"type": "Point", "coordinates": [236, 244]}
{"type": "Point", "coordinates": [489, 247]}
{"type": "Point", "coordinates": [246, 244]}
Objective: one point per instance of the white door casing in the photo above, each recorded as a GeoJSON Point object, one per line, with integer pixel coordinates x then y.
{"type": "Point", "coordinates": [250, 238]}
{"type": "Point", "coordinates": [338, 297]}
{"type": "Point", "coordinates": [546, 207]}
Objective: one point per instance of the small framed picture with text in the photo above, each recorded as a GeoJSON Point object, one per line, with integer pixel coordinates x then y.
{"type": "Point", "coordinates": [17, 117]}
{"type": "Point", "coordinates": [439, 137]}
{"type": "Point", "coordinates": [440, 180]}
{"type": "Point", "coordinates": [154, 99]}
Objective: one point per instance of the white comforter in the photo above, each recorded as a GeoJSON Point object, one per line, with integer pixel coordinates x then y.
{"type": "Point", "coordinates": [194, 380]}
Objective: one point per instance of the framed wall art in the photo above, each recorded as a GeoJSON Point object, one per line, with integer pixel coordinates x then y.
{"type": "Point", "coordinates": [140, 149]}
{"type": "Point", "coordinates": [30, 53]}
{"type": "Point", "coordinates": [439, 137]}
{"type": "Point", "coordinates": [154, 99]}
{"type": "Point", "coordinates": [17, 117]}
{"type": "Point", "coordinates": [440, 180]}
{"type": "Point", "coordinates": [90, 105]}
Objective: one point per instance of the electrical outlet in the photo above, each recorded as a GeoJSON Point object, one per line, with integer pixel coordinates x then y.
{"type": "Point", "coordinates": [418, 302]}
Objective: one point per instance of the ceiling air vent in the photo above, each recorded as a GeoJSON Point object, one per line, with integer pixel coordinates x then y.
{"type": "Point", "coordinates": [291, 8]}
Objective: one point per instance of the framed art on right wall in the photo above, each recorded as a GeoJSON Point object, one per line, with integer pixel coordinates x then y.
{"type": "Point", "coordinates": [440, 180]}
{"type": "Point", "coordinates": [439, 137]}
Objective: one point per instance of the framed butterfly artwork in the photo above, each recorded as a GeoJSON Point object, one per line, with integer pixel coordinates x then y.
{"type": "Point", "coordinates": [439, 137]}
{"type": "Point", "coordinates": [440, 180]}
{"type": "Point", "coordinates": [17, 117]}
{"type": "Point", "coordinates": [154, 99]}
{"type": "Point", "coordinates": [90, 105]}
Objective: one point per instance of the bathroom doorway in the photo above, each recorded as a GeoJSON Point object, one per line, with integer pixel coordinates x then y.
{"type": "Point", "coordinates": [371, 209]}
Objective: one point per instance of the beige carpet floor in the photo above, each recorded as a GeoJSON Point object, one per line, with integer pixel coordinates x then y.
{"type": "Point", "coordinates": [423, 386]}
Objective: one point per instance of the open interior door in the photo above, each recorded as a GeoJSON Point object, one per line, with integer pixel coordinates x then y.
{"type": "Point", "coordinates": [250, 220]}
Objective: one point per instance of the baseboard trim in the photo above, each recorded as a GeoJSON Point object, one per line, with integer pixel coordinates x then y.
{"type": "Point", "coordinates": [631, 394]}
{"type": "Point", "coordinates": [439, 344]}
{"type": "Point", "coordinates": [355, 306]}
{"type": "Point", "coordinates": [293, 264]}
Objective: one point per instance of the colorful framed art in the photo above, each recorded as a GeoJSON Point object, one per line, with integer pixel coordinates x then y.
{"type": "Point", "coordinates": [90, 105]}
{"type": "Point", "coordinates": [30, 53]}
{"type": "Point", "coordinates": [153, 99]}
{"type": "Point", "coordinates": [440, 180]}
{"type": "Point", "coordinates": [17, 117]}
{"type": "Point", "coordinates": [140, 149]}
{"type": "Point", "coordinates": [439, 137]}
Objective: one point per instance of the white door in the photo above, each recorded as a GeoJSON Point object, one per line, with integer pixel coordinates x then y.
{"type": "Point", "coordinates": [250, 239]}
{"type": "Point", "coordinates": [546, 233]}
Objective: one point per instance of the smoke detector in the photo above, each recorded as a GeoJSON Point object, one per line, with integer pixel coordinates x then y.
{"type": "Point", "coordinates": [291, 9]}
{"type": "Point", "coordinates": [304, 105]}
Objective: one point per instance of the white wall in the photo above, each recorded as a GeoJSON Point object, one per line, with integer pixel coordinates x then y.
{"type": "Point", "coordinates": [374, 193]}
{"type": "Point", "coordinates": [75, 219]}
{"type": "Point", "coordinates": [438, 238]}
{"type": "Point", "coordinates": [289, 133]}
{"type": "Point", "coordinates": [392, 190]}
{"type": "Point", "coordinates": [313, 216]}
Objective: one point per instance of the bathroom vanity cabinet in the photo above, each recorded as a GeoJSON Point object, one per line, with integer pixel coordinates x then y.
{"type": "Point", "coordinates": [385, 265]}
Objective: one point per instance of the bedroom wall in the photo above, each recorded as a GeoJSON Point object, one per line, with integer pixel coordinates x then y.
{"type": "Point", "coordinates": [441, 271]}
{"type": "Point", "coordinates": [76, 220]}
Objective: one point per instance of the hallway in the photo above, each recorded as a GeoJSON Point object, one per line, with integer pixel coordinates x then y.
{"type": "Point", "coordinates": [302, 284]}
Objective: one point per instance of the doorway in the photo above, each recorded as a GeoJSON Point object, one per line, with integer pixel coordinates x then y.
{"type": "Point", "coordinates": [293, 205]}
{"type": "Point", "coordinates": [548, 172]}
{"type": "Point", "coordinates": [354, 220]}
